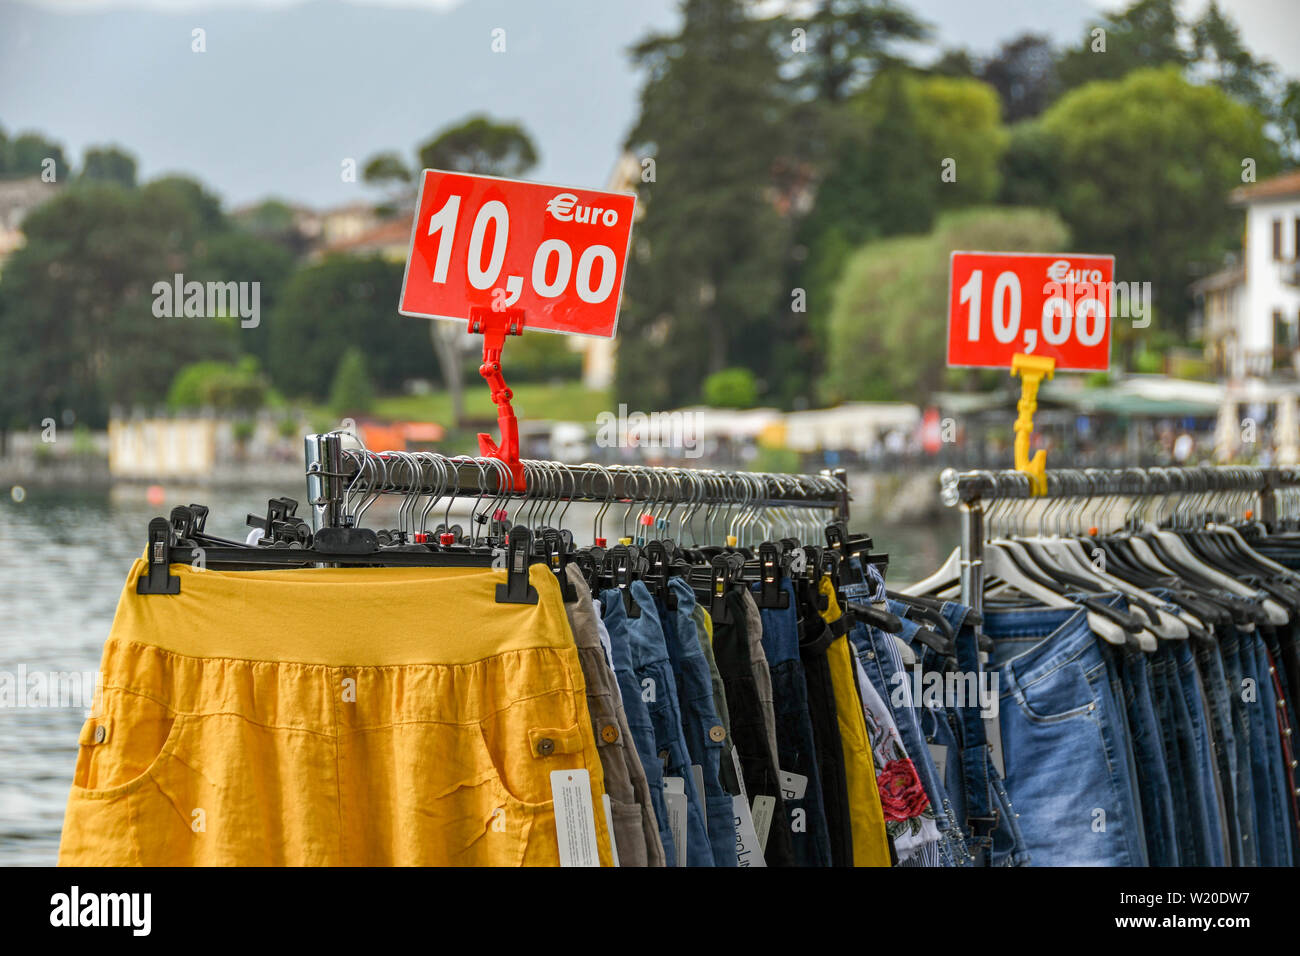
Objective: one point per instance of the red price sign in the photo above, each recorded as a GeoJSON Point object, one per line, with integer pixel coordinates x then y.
{"type": "Point", "coordinates": [1001, 303]}
{"type": "Point", "coordinates": [556, 253]}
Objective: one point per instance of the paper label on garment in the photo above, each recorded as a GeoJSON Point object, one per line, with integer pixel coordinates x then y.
{"type": "Point", "coordinates": [748, 851]}
{"type": "Point", "coordinates": [575, 818]}
{"type": "Point", "coordinates": [698, 773]}
{"type": "Point", "coordinates": [609, 825]}
{"type": "Point", "coordinates": [793, 785]}
{"type": "Point", "coordinates": [764, 807]}
{"type": "Point", "coordinates": [678, 807]}
{"type": "Point", "coordinates": [993, 734]}
{"type": "Point", "coordinates": [939, 754]}
{"type": "Point", "coordinates": [740, 776]}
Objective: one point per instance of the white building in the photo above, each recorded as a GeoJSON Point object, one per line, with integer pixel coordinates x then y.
{"type": "Point", "coordinates": [1250, 314]}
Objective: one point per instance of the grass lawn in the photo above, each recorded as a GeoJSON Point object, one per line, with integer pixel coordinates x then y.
{"type": "Point", "coordinates": [569, 401]}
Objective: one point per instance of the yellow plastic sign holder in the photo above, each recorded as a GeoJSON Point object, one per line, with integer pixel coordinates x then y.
{"type": "Point", "coordinates": [1032, 369]}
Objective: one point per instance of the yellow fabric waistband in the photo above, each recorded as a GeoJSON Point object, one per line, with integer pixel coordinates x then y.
{"type": "Point", "coordinates": [342, 616]}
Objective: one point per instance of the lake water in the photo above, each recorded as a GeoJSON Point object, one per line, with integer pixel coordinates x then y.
{"type": "Point", "coordinates": [63, 558]}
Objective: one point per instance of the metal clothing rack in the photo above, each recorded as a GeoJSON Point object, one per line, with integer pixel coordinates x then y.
{"type": "Point", "coordinates": [974, 491]}
{"type": "Point", "coordinates": [336, 473]}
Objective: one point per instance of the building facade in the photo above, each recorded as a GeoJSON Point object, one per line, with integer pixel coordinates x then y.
{"type": "Point", "coordinates": [1250, 313]}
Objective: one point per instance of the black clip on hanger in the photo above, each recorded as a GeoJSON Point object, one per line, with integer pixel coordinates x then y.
{"type": "Point", "coordinates": [277, 509]}
{"type": "Point", "coordinates": [720, 578]}
{"type": "Point", "coordinates": [771, 594]}
{"type": "Point", "coordinates": [656, 576]}
{"type": "Point", "coordinates": [200, 513]}
{"type": "Point", "coordinates": [556, 559]}
{"type": "Point", "coordinates": [517, 590]}
{"type": "Point", "coordinates": [183, 523]}
{"type": "Point", "coordinates": [158, 579]}
{"type": "Point", "coordinates": [619, 559]}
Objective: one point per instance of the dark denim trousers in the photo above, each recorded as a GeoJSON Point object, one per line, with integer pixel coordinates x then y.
{"type": "Point", "coordinates": [700, 721]}
{"type": "Point", "coordinates": [796, 748]}
{"type": "Point", "coordinates": [658, 688]}
{"type": "Point", "coordinates": [639, 723]}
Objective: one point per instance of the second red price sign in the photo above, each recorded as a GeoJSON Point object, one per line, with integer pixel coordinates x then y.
{"type": "Point", "coordinates": [1056, 306]}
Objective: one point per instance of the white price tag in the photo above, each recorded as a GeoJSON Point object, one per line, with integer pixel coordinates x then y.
{"type": "Point", "coordinates": [939, 754]}
{"type": "Point", "coordinates": [675, 801]}
{"type": "Point", "coordinates": [793, 785]}
{"type": "Point", "coordinates": [609, 824]}
{"type": "Point", "coordinates": [748, 852]}
{"type": "Point", "coordinates": [575, 818]}
{"type": "Point", "coordinates": [764, 806]}
{"type": "Point", "coordinates": [698, 773]}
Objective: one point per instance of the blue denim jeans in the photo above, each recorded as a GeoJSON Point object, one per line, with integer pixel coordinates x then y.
{"type": "Point", "coordinates": [1194, 804]}
{"type": "Point", "coordinates": [796, 749]}
{"type": "Point", "coordinates": [1270, 780]}
{"type": "Point", "coordinates": [699, 716]}
{"type": "Point", "coordinates": [1230, 653]}
{"type": "Point", "coordinates": [884, 668]}
{"type": "Point", "coordinates": [924, 725]}
{"type": "Point", "coordinates": [1206, 764]}
{"type": "Point", "coordinates": [639, 723]}
{"type": "Point", "coordinates": [1149, 752]}
{"type": "Point", "coordinates": [1277, 644]}
{"type": "Point", "coordinates": [1209, 662]}
{"type": "Point", "coordinates": [1066, 754]}
{"type": "Point", "coordinates": [657, 686]}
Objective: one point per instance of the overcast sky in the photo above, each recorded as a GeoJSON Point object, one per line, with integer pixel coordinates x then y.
{"type": "Point", "coordinates": [287, 90]}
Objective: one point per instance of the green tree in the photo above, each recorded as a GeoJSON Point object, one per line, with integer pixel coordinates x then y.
{"type": "Point", "coordinates": [848, 41]}
{"type": "Point", "coordinates": [1024, 74]}
{"type": "Point", "coordinates": [481, 145]}
{"type": "Point", "coordinates": [330, 306]}
{"type": "Point", "coordinates": [208, 218]}
{"type": "Point", "coordinates": [1145, 34]}
{"type": "Point", "coordinates": [1289, 120]}
{"type": "Point", "coordinates": [886, 176]}
{"type": "Point", "coordinates": [731, 388]}
{"type": "Point", "coordinates": [275, 221]}
{"type": "Point", "coordinates": [540, 357]}
{"type": "Point", "coordinates": [352, 392]}
{"type": "Point", "coordinates": [1218, 49]}
{"type": "Point", "coordinates": [709, 253]}
{"type": "Point", "coordinates": [388, 172]}
{"type": "Point", "coordinates": [1146, 165]}
{"type": "Point", "coordinates": [1030, 173]}
{"type": "Point", "coordinates": [238, 256]}
{"type": "Point", "coordinates": [108, 164]}
{"type": "Point", "coordinates": [959, 119]}
{"type": "Point", "coordinates": [955, 62]}
{"type": "Point", "coordinates": [385, 169]}
{"type": "Point", "coordinates": [225, 386]}
{"type": "Point", "coordinates": [78, 325]}
{"type": "Point", "coordinates": [889, 313]}
{"type": "Point", "coordinates": [25, 155]}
